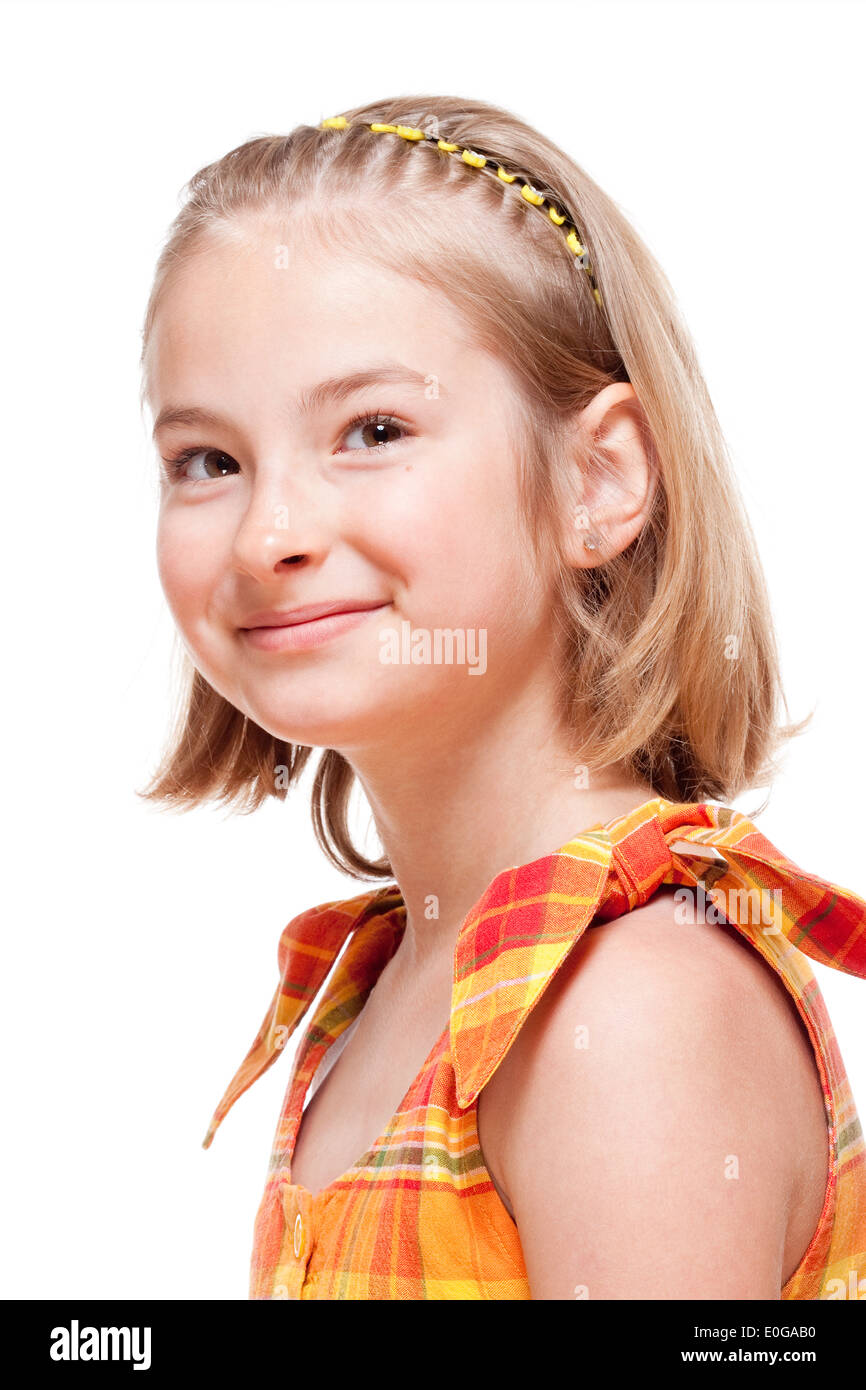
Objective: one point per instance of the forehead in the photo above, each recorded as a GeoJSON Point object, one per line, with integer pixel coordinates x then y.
{"type": "Point", "coordinates": [298, 311]}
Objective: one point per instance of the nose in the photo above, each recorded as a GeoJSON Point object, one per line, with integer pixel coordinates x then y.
{"type": "Point", "coordinates": [286, 522]}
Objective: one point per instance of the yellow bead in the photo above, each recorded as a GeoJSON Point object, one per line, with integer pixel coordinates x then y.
{"type": "Point", "coordinates": [575, 244]}
{"type": "Point", "coordinates": [335, 122]}
{"type": "Point", "coordinates": [531, 196]}
{"type": "Point", "coordinates": [477, 161]}
{"type": "Point", "coordinates": [444, 145]}
{"type": "Point", "coordinates": [410, 133]}
{"type": "Point", "coordinates": [506, 177]}
{"type": "Point", "coordinates": [378, 127]}
{"type": "Point", "coordinates": [557, 217]}
{"type": "Point", "coordinates": [597, 297]}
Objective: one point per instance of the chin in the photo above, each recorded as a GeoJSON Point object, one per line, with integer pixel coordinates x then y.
{"type": "Point", "coordinates": [321, 729]}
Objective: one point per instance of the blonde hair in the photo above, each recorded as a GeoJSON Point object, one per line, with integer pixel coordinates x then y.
{"type": "Point", "coordinates": [649, 676]}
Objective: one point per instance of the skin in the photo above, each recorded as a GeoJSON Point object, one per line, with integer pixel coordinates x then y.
{"type": "Point", "coordinates": [679, 1153]}
{"type": "Point", "coordinates": [466, 775]}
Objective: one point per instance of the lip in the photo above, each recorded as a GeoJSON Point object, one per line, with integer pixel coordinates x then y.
{"type": "Point", "coordinates": [286, 617]}
{"type": "Point", "coordinates": [301, 629]}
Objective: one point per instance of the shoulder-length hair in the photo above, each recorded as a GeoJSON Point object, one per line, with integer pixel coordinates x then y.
{"type": "Point", "coordinates": [669, 664]}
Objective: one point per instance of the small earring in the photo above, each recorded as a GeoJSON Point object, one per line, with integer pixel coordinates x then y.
{"type": "Point", "coordinates": [581, 521]}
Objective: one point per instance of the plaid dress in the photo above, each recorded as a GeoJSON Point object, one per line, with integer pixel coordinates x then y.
{"type": "Point", "coordinates": [417, 1216]}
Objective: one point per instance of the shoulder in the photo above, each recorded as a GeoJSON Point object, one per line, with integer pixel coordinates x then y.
{"type": "Point", "coordinates": [642, 1119]}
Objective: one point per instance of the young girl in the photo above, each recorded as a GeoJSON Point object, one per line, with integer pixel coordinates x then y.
{"type": "Point", "coordinates": [435, 454]}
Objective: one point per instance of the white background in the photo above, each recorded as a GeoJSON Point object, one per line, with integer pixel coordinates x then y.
{"type": "Point", "coordinates": [139, 949]}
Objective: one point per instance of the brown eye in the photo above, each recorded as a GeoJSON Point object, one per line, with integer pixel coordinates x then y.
{"type": "Point", "coordinates": [373, 431]}
{"type": "Point", "coordinates": [216, 464]}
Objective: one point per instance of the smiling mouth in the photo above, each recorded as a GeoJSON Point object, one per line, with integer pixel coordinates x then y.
{"type": "Point", "coordinates": [291, 617]}
{"type": "Point", "coordinates": [296, 632]}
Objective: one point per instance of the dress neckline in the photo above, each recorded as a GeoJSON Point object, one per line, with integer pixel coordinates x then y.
{"type": "Point", "coordinates": [379, 1143]}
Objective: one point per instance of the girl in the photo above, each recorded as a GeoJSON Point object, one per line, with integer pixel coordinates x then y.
{"type": "Point", "coordinates": [431, 433]}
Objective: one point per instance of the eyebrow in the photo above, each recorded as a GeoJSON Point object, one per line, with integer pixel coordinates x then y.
{"type": "Point", "coordinates": [334, 389]}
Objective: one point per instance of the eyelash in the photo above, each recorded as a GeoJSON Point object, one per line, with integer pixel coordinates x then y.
{"type": "Point", "coordinates": [176, 464]}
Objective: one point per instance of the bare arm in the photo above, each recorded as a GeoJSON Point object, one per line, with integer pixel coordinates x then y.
{"type": "Point", "coordinates": [643, 1123]}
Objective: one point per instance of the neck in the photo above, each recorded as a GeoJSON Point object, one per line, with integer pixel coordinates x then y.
{"type": "Point", "coordinates": [451, 821]}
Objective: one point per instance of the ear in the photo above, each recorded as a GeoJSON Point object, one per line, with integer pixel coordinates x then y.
{"type": "Point", "coordinates": [610, 505]}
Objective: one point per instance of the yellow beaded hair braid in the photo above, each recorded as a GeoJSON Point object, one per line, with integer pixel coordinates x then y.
{"type": "Point", "coordinates": [478, 161]}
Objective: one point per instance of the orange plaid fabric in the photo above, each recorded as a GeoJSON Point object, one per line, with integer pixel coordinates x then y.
{"type": "Point", "coordinates": [417, 1216]}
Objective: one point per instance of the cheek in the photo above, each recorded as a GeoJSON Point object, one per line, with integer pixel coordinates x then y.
{"type": "Point", "coordinates": [445, 511]}
{"type": "Point", "coordinates": [187, 568]}
{"type": "Point", "coordinates": [461, 557]}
